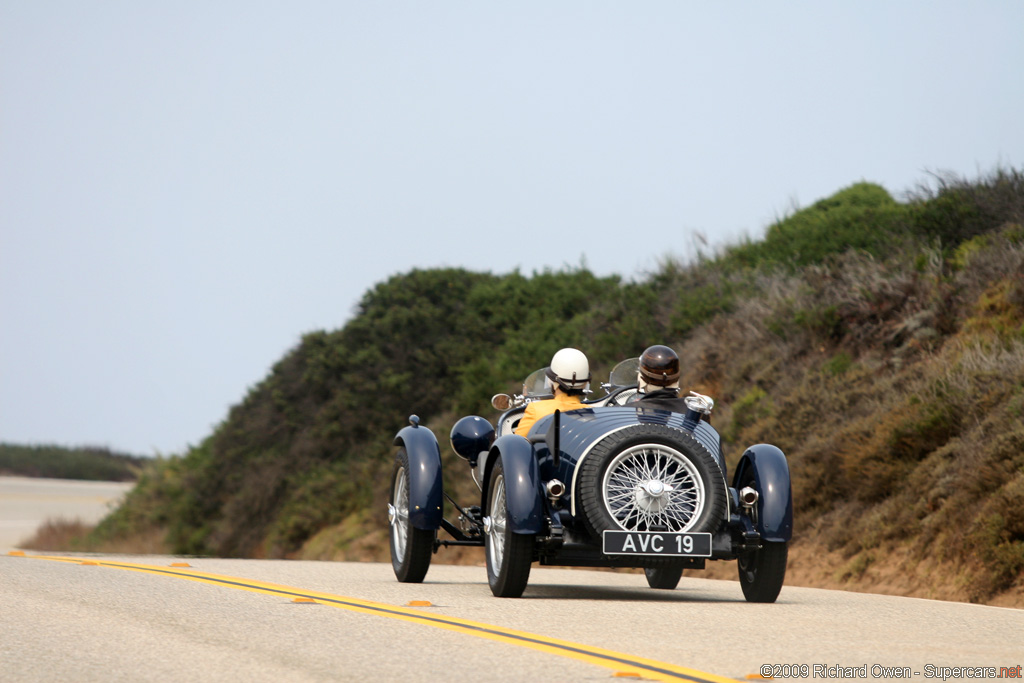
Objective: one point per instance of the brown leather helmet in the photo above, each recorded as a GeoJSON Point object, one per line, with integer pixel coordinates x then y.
{"type": "Point", "coordinates": [659, 365]}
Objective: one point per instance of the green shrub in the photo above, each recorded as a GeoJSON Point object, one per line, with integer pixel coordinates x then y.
{"type": "Point", "coordinates": [58, 462]}
{"type": "Point", "coordinates": [752, 406]}
{"type": "Point", "coordinates": [956, 209]}
{"type": "Point", "coordinates": [996, 537]}
{"type": "Point", "coordinates": [698, 304]}
{"type": "Point", "coordinates": [863, 216]}
{"type": "Point", "coordinates": [838, 364]}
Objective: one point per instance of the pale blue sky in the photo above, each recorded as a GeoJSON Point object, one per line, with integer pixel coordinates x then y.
{"type": "Point", "coordinates": [186, 188]}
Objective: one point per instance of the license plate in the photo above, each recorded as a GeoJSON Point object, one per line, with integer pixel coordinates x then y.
{"type": "Point", "coordinates": [660, 543]}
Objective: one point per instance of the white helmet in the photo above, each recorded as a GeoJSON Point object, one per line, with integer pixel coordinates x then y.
{"type": "Point", "coordinates": [570, 369]}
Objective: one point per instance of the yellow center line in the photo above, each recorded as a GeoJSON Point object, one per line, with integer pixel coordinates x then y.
{"type": "Point", "coordinates": [648, 668]}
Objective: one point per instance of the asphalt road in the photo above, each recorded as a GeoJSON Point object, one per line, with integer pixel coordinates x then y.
{"type": "Point", "coordinates": [140, 619]}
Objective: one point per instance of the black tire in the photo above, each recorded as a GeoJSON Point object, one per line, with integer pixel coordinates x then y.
{"type": "Point", "coordinates": [509, 555]}
{"type": "Point", "coordinates": [696, 501]}
{"type": "Point", "coordinates": [663, 578]}
{"type": "Point", "coordinates": [411, 548]}
{"type": "Point", "coordinates": [763, 571]}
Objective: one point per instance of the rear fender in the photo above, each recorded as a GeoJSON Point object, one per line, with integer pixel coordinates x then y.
{"type": "Point", "coordinates": [425, 485]}
{"type": "Point", "coordinates": [766, 465]}
{"type": "Point", "coordinates": [522, 483]}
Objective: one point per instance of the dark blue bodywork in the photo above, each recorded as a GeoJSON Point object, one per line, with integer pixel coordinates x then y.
{"type": "Point", "coordinates": [528, 466]}
{"type": "Point", "coordinates": [426, 493]}
{"type": "Point", "coordinates": [582, 429]}
{"type": "Point", "coordinates": [523, 483]}
{"type": "Point", "coordinates": [765, 467]}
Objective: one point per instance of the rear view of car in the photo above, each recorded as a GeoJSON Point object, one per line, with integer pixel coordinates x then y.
{"type": "Point", "coordinates": [613, 484]}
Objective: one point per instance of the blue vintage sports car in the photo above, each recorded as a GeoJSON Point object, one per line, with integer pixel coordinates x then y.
{"type": "Point", "coordinates": [614, 484]}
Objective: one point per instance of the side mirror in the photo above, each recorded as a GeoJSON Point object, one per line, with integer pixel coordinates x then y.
{"type": "Point", "coordinates": [501, 401]}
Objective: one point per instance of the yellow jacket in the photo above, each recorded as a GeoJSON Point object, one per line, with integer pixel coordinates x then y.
{"type": "Point", "coordinates": [538, 409]}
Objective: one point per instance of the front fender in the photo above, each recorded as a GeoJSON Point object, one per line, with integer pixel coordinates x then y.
{"type": "Point", "coordinates": [522, 483]}
{"type": "Point", "coordinates": [425, 485]}
{"type": "Point", "coordinates": [766, 466]}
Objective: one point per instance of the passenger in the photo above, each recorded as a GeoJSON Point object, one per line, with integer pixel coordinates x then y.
{"type": "Point", "coordinates": [659, 380]}
{"type": "Point", "coordinates": [569, 375]}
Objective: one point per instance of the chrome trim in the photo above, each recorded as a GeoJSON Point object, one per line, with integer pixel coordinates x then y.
{"type": "Point", "coordinates": [632, 487]}
{"type": "Point", "coordinates": [555, 490]}
{"type": "Point", "coordinates": [748, 497]}
{"type": "Point", "coordinates": [700, 403]}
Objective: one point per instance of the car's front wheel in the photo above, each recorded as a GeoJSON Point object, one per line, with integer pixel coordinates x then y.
{"type": "Point", "coordinates": [411, 548]}
{"type": "Point", "coordinates": [509, 555]}
{"type": "Point", "coordinates": [763, 571]}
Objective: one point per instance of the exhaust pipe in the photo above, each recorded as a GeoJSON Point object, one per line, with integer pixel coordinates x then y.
{"type": "Point", "coordinates": [748, 496]}
{"type": "Point", "coordinates": [555, 490]}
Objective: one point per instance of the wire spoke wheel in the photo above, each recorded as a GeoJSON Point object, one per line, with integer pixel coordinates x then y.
{"type": "Point", "coordinates": [498, 526]}
{"type": "Point", "coordinates": [400, 519]}
{"type": "Point", "coordinates": [411, 548]}
{"type": "Point", "coordinates": [509, 554]}
{"type": "Point", "coordinates": [653, 487]}
{"type": "Point", "coordinates": [651, 477]}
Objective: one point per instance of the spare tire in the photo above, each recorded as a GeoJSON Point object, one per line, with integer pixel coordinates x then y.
{"type": "Point", "coordinates": [651, 477]}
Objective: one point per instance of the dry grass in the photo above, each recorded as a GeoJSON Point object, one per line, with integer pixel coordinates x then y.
{"type": "Point", "coordinates": [897, 393]}
{"type": "Point", "coordinates": [58, 533]}
{"type": "Point", "coordinates": [72, 535]}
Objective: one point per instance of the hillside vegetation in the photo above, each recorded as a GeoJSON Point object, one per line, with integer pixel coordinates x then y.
{"type": "Point", "coordinates": [58, 462]}
{"type": "Point", "coordinates": [879, 343]}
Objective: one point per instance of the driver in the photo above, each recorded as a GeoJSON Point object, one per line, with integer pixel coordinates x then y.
{"type": "Point", "coordinates": [569, 375]}
{"type": "Point", "coordinates": [659, 379]}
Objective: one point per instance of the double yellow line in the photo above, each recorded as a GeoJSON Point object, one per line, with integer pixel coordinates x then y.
{"type": "Point", "coordinates": [625, 665]}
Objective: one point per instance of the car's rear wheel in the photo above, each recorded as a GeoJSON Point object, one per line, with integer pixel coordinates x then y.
{"type": "Point", "coordinates": [651, 478]}
{"type": "Point", "coordinates": [411, 548]}
{"type": "Point", "coordinates": [509, 555]}
{"type": "Point", "coordinates": [762, 572]}
{"type": "Point", "coordinates": [664, 578]}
